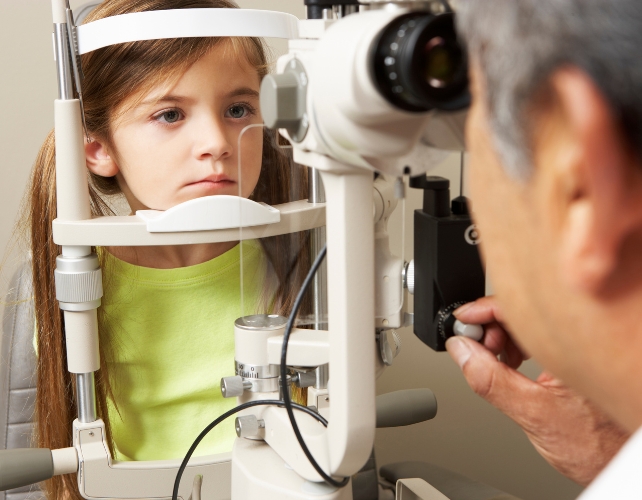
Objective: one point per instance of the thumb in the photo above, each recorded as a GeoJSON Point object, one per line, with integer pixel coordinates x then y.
{"type": "Point", "coordinates": [500, 385]}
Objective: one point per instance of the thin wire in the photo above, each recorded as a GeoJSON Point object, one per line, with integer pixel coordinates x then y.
{"type": "Point", "coordinates": [403, 241]}
{"type": "Point", "coordinates": [284, 353]}
{"type": "Point", "coordinates": [461, 175]}
{"type": "Point", "coordinates": [249, 404]}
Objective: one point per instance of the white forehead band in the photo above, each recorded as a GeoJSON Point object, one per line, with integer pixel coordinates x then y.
{"type": "Point", "coordinates": [185, 23]}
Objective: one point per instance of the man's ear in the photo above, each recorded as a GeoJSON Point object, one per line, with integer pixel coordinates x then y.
{"type": "Point", "coordinates": [99, 160]}
{"type": "Point", "coordinates": [598, 186]}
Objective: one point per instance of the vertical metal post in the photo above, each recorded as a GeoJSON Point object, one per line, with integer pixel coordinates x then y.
{"type": "Point", "coordinates": [72, 185]}
{"type": "Point", "coordinates": [318, 238]}
{"type": "Point", "coordinates": [86, 397]}
{"type": "Point", "coordinates": [63, 63]}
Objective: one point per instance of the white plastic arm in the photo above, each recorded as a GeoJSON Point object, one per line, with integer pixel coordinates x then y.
{"type": "Point", "coordinates": [101, 477]}
{"type": "Point", "coordinates": [59, 11]}
{"type": "Point", "coordinates": [185, 23]}
{"type": "Point", "coordinates": [71, 167]}
{"type": "Point", "coordinates": [350, 237]}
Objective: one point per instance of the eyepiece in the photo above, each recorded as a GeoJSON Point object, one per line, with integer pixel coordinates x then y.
{"type": "Point", "coordinates": [418, 63]}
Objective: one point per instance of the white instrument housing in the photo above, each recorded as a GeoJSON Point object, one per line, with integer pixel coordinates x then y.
{"type": "Point", "coordinates": [349, 119]}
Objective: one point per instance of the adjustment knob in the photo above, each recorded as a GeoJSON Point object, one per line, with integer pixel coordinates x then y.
{"type": "Point", "coordinates": [279, 101]}
{"type": "Point", "coordinates": [283, 100]}
{"type": "Point", "coordinates": [233, 387]}
{"type": "Point", "coordinates": [409, 277]}
{"type": "Point", "coordinates": [248, 426]}
{"type": "Point", "coordinates": [475, 332]}
{"type": "Point", "coordinates": [450, 326]}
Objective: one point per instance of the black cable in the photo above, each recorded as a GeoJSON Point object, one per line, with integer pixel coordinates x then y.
{"type": "Point", "coordinates": [287, 401]}
{"type": "Point", "coordinates": [284, 352]}
{"type": "Point", "coordinates": [446, 5]}
{"type": "Point", "coordinates": [461, 175]}
{"type": "Point", "coordinates": [249, 404]}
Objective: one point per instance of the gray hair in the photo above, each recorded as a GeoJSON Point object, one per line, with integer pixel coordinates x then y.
{"type": "Point", "coordinates": [520, 43]}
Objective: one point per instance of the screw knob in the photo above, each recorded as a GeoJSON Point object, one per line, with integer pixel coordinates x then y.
{"type": "Point", "coordinates": [409, 281]}
{"type": "Point", "coordinates": [232, 387]}
{"type": "Point", "coordinates": [248, 426]}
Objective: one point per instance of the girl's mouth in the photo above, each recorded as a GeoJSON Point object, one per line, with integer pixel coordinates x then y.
{"type": "Point", "coordinates": [214, 183]}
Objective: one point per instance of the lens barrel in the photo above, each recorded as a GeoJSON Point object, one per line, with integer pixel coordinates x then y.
{"type": "Point", "coordinates": [418, 64]}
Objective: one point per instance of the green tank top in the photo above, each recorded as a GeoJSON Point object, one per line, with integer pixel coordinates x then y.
{"type": "Point", "coordinates": [172, 339]}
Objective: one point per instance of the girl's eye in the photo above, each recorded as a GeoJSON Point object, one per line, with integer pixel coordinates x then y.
{"type": "Point", "coordinates": [169, 116]}
{"type": "Point", "coordinates": [238, 111]}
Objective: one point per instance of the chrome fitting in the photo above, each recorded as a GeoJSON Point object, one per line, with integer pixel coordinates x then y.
{"type": "Point", "coordinates": [408, 276]}
{"type": "Point", "coordinates": [305, 379]}
{"type": "Point", "coordinates": [248, 426]}
{"type": "Point", "coordinates": [233, 387]}
{"type": "Point", "coordinates": [246, 370]}
{"type": "Point", "coordinates": [79, 284]}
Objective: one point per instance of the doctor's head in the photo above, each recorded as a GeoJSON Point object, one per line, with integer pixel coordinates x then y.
{"type": "Point", "coordinates": [555, 140]}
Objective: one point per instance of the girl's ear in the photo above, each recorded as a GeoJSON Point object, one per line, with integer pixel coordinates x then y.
{"type": "Point", "coordinates": [99, 161]}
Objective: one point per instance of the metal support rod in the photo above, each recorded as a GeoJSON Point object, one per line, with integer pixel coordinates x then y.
{"type": "Point", "coordinates": [322, 375]}
{"type": "Point", "coordinates": [63, 62]}
{"type": "Point", "coordinates": [86, 397]}
{"type": "Point", "coordinates": [328, 13]}
{"type": "Point", "coordinates": [341, 11]}
{"type": "Point", "coordinates": [316, 194]}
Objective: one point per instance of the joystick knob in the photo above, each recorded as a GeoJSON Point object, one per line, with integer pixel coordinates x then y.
{"type": "Point", "coordinates": [475, 332]}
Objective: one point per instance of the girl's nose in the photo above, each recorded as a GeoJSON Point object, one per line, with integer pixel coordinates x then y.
{"type": "Point", "coordinates": [211, 139]}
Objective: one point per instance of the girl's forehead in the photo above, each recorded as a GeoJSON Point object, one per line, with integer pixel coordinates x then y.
{"type": "Point", "coordinates": [220, 70]}
{"type": "Point", "coordinates": [220, 74]}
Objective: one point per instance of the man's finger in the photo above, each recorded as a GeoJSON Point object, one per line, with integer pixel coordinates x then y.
{"type": "Point", "coordinates": [495, 338]}
{"type": "Point", "coordinates": [482, 311]}
{"type": "Point", "coordinates": [514, 355]}
{"type": "Point", "coordinates": [498, 384]}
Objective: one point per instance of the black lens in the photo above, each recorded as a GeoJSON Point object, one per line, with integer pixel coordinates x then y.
{"type": "Point", "coordinates": [418, 63]}
{"type": "Point", "coordinates": [443, 61]}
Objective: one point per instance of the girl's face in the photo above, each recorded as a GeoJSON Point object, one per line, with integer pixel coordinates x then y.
{"type": "Point", "coordinates": [181, 143]}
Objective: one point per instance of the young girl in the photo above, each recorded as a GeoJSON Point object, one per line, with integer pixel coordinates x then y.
{"type": "Point", "coordinates": [164, 119]}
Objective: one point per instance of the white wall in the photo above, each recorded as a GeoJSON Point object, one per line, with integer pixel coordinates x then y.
{"type": "Point", "coordinates": [467, 435]}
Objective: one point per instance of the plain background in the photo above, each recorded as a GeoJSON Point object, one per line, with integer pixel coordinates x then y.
{"type": "Point", "coordinates": [467, 436]}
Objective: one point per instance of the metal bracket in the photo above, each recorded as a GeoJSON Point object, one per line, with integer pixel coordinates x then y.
{"type": "Point", "coordinates": [72, 34]}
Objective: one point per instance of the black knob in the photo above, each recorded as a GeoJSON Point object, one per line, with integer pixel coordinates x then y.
{"type": "Point", "coordinates": [459, 205]}
{"type": "Point", "coordinates": [446, 320]}
{"type": "Point", "coordinates": [436, 194]}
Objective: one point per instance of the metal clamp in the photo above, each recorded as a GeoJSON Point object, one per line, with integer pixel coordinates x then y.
{"type": "Point", "coordinates": [255, 371]}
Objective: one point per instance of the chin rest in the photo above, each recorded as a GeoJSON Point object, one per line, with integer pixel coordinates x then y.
{"type": "Point", "coordinates": [453, 485]}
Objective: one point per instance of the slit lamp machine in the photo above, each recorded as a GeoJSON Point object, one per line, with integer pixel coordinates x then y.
{"type": "Point", "coordinates": [360, 87]}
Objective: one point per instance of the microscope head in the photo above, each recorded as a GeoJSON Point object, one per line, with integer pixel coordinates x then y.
{"type": "Point", "coordinates": [367, 85]}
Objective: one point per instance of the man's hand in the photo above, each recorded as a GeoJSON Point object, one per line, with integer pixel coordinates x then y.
{"type": "Point", "coordinates": [573, 435]}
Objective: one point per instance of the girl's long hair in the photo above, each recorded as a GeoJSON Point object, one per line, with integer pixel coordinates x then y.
{"type": "Point", "coordinates": [112, 75]}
